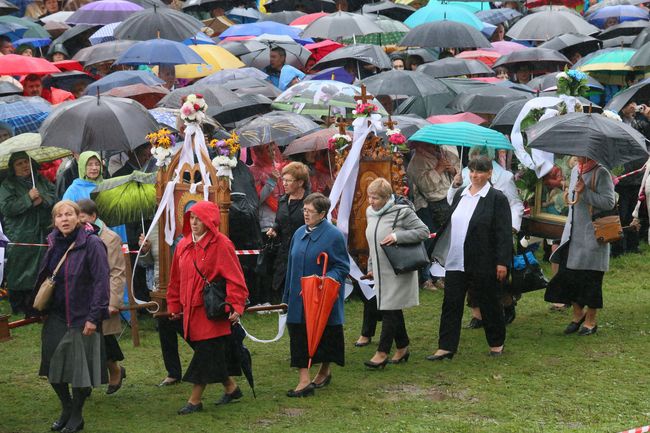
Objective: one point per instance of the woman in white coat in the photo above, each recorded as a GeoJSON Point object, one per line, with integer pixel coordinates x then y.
{"type": "Point", "coordinates": [391, 220]}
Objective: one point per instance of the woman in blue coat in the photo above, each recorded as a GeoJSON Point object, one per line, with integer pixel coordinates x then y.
{"type": "Point", "coordinates": [317, 236]}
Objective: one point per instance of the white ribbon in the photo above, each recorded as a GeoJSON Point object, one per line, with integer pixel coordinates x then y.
{"type": "Point", "coordinates": [282, 322]}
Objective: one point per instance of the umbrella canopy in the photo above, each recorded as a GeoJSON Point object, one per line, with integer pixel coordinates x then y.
{"type": "Point", "coordinates": [14, 64]}
{"type": "Point", "coordinates": [123, 78]}
{"type": "Point", "coordinates": [640, 59]}
{"type": "Point", "coordinates": [312, 142]}
{"type": "Point", "coordinates": [10, 86]}
{"type": "Point", "coordinates": [639, 92]}
{"type": "Point", "coordinates": [542, 26]}
{"type": "Point", "coordinates": [279, 127]}
{"type": "Point", "coordinates": [488, 100]}
{"type": "Point", "coordinates": [453, 67]}
{"type": "Point", "coordinates": [569, 42]}
{"type": "Point", "coordinates": [549, 82]}
{"type": "Point", "coordinates": [34, 42]}
{"type": "Point", "coordinates": [408, 124]}
{"type": "Point", "coordinates": [487, 56]}
{"type": "Point", "coordinates": [12, 31]}
{"type": "Point", "coordinates": [103, 12]}
{"type": "Point", "coordinates": [252, 86]}
{"type": "Point", "coordinates": [462, 134]}
{"type": "Point", "coordinates": [626, 28]}
{"type": "Point", "coordinates": [55, 29]}
{"type": "Point", "coordinates": [444, 12]}
{"type": "Point", "coordinates": [297, 55]}
{"type": "Point", "coordinates": [309, 7]}
{"type": "Point", "coordinates": [23, 113]}
{"type": "Point", "coordinates": [156, 23]}
{"type": "Point", "coordinates": [67, 80]}
{"type": "Point", "coordinates": [215, 96]}
{"type": "Point", "coordinates": [246, 360]}
{"type": "Point", "coordinates": [364, 53]}
{"type": "Point", "coordinates": [409, 83]}
{"type": "Point", "coordinates": [619, 41]}
{"type": "Point", "coordinates": [98, 123]}
{"type": "Point", "coordinates": [340, 25]}
{"type": "Point", "coordinates": [243, 15]}
{"type": "Point", "coordinates": [73, 39]}
{"type": "Point", "coordinates": [29, 142]}
{"type": "Point", "coordinates": [497, 16]}
{"type": "Point", "coordinates": [318, 297]}
{"type": "Point", "coordinates": [104, 52]}
{"type": "Point", "coordinates": [507, 47]}
{"type": "Point", "coordinates": [7, 7]}
{"type": "Point", "coordinates": [533, 55]}
{"type": "Point", "coordinates": [609, 65]}
{"type": "Point", "coordinates": [33, 29]}
{"type": "Point", "coordinates": [392, 32]}
{"type": "Point", "coordinates": [388, 9]}
{"type": "Point", "coordinates": [610, 142]}
{"type": "Point", "coordinates": [126, 199]}
{"type": "Point", "coordinates": [303, 21]}
{"type": "Point", "coordinates": [505, 119]}
{"type": "Point", "coordinates": [264, 27]}
{"type": "Point", "coordinates": [445, 34]}
{"type": "Point", "coordinates": [460, 117]}
{"type": "Point", "coordinates": [157, 52]}
{"type": "Point", "coordinates": [148, 96]}
{"type": "Point", "coordinates": [228, 75]}
{"type": "Point", "coordinates": [335, 74]}
{"type": "Point", "coordinates": [282, 17]}
{"type": "Point", "coordinates": [641, 39]}
{"type": "Point", "coordinates": [104, 34]}
{"type": "Point", "coordinates": [215, 58]}
{"type": "Point", "coordinates": [620, 12]}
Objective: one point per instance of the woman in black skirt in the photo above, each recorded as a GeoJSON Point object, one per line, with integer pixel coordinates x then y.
{"type": "Point", "coordinates": [72, 351]}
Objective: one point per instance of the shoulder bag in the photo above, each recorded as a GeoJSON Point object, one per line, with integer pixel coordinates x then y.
{"type": "Point", "coordinates": [214, 297]}
{"type": "Point", "coordinates": [607, 224]}
{"type": "Point", "coordinates": [526, 274]}
{"type": "Point", "coordinates": [406, 258]}
{"type": "Point", "coordinates": [45, 292]}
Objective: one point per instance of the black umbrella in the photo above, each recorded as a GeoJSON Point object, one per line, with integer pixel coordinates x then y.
{"type": "Point", "coordinates": [73, 39]}
{"type": "Point", "coordinates": [306, 6]}
{"type": "Point", "coordinates": [231, 113]}
{"type": "Point", "coordinates": [548, 81]}
{"type": "Point", "coordinates": [388, 9]}
{"type": "Point", "coordinates": [99, 124]}
{"type": "Point", "coordinates": [462, 85]}
{"type": "Point", "coordinates": [246, 360]}
{"type": "Point", "coordinates": [215, 96]}
{"type": "Point", "coordinates": [545, 25]}
{"type": "Point", "coordinates": [121, 79]}
{"type": "Point", "coordinates": [252, 86]}
{"type": "Point", "coordinates": [67, 80]}
{"type": "Point", "coordinates": [340, 25]}
{"type": "Point", "coordinates": [409, 83]}
{"type": "Point", "coordinates": [7, 7]}
{"type": "Point", "coordinates": [445, 34]}
{"type": "Point", "coordinates": [618, 42]}
{"type": "Point", "coordinates": [149, 3]}
{"type": "Point", "coordinates": [282, 17]}
{"type": "Point", "coordinates": [641, 39]}
{"type": "Point", "coordinates": [639, 93]}
{"type": "Point", "coordinates": [488, 100]}
{"type": "Point", "coordinates": [281, 127]}
{"type": "Point", "coordinates": [364, 53]}
{"type": "Point", "coordinates": [104, 52]}
{"type": "Point", "coordinates": [626, 28]}
{"type": "Point", "coordinates": [569, 42]}
{"type": "Point", "coordinates": [154, 23]}
{"type": "Point", "coordinates": [453, 67]}
{"type": "Point", "coordinates": [297, 55]}
{"type": "Point", "coordinates": [640, 59]}
{"type": "Point", "coordinates": [541, 57]}
{"type": "Point", "coordinates": [505, 118]}
{"type": "Point", "coordinates": [610, 142]}
{"type": "Point", "coordinates": [206, 5]}
{"type": "Point", "coordinates": [407, 124]}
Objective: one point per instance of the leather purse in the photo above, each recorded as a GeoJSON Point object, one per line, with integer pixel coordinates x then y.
{"type": "Point", "coordinates": [46, 290]}
{"type": "Point", "coordinates": [607, 224]}
{"type": "Point", "coordinates": [406, 258]}
{"type": "Point", "coordinates": [214, 298]}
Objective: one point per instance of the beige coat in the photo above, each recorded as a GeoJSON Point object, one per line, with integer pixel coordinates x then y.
{"type": "Point", "coordinates": [117, 266]}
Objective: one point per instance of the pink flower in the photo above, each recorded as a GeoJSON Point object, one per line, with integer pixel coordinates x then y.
{"type": "Point", "coordinates": [186, 110]}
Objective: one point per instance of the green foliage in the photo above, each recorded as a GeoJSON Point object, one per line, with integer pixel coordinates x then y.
{"type": "Point", "coordinates": [532, 118]}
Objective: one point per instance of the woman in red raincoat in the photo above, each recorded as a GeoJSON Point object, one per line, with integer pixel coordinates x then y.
{"type": "Point", "coordinates": [205, 248]}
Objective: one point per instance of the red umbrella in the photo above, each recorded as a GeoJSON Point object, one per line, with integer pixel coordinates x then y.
{"type": "Point", "coordinates": [14, 64]}
{"type": "Point", "coordinates": [320, 50]}
{"type": "Point", "coordinates": [148, 96]}
{"type": "Point", "coordinates": [305, 20]}
{"type": "Point", "coordinates": [69, 65]}
{"type": "Point", "coordinates": [318, 297]}
{"type": "Point", "coordinates": [460, 117]}
{"type": "Point", "coordinates": [486, 56]}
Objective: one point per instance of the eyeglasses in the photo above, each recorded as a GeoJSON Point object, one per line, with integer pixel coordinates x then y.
{"type": "Point", "coordinates": [308, 211]}
{"type": "Point", "coordinates": [285, 180]}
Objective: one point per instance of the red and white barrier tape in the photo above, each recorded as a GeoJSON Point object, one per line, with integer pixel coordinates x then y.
{"type": "Point", "coordinates": [644, 429]}
{"type": "Point", "coordinates": [632, 173]}
{"type": "Point", "coordinates": [125, 249]}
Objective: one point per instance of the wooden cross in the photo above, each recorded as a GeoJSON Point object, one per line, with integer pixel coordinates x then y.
{"type": "Point", "coordinates": [365, 96]}
{"type": "Point", "coordinates": [390, 123]}
{"type": "Point", "coordinates": [342, 125]}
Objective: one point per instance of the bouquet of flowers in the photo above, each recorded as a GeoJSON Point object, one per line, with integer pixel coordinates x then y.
{"type": "Point", "coordinates": [226, 158]}
{"type": "Point", "coordinates": [339, 142]}
{"type": "Point", "coordinates": [162, 146]}
{"type": "Point", "coordinates": [572, 82]}
{"type": "Point", "coordinates": [364, 109]}
{"type": "Point", "coordinates": [396, 138]}
{"type": "Point", "coordinates": [193, 108]}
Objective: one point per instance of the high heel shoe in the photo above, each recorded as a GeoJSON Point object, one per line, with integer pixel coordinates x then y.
{"type": "Point", "coordinates": [448, 355]}
{"type": "Point", "coordinates": [404, 358]}
{"type": "Point", "coordinates": [357, 344]}
{"type": "Point", "coordinates": [304, 392]}
{"type": "Point", "coordinates": [376, 365]}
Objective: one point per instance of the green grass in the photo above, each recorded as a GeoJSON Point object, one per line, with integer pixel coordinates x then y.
{"type": "Point", "coordinates": [546, 382]}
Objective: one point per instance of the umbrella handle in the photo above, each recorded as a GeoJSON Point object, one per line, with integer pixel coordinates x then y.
{"type": "Point", "coordinates": [571, 202]}
{"type": "Point", "coordinates": [325, 259]}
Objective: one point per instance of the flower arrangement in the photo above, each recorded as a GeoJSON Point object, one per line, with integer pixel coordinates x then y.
{"type": "Point", "coordinates": [572, 82]}
{"type": "Point", "coordinates": [338, 142]}
{"type": "Point", "coordinates": [193, 108]}
{"type": "Point", "coordinates": [162, 146]}
{"type": "Point", "coordinates": [364, 109]}
{"type": "Point", "coordinates": [395, 137]}
{"type": "Point", "coordinates": [226, 158]}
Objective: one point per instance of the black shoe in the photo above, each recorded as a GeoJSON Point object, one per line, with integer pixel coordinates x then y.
{"type": "Point", "coordinates": [324, 383]}
{"type": "Point", "coordinates": [448, 355]}
{"type": "Point", "coordinates": [475, 323]}
{"type": "Point", "coordinates": [496, 354]}
{"type": "Point", "coordinates": [376, 365]}
{"type": "Point", "coordinates": [404, 358]}
{"type": "Point", "coordinates": [58, 424]}
{"type": "Point", "coordinates": [305, 392]}
{"type": "Point", "coordinates": [573, 326]}
{"type": "Point", "coordinates": [74, 429]}
{"type": "Point", "coordinates": [509, 314]}
{"type": "Point", "coordinates": [112, 389]}
{"type": "Point", "coordinates": [228, 398]}
{"type": "Point", "coordinates": [357, 344]}
{"type": "Point", "coordinates": [166, 382]}
{"type": "Point", "coordinates": [190, 408]}
{"type": "Point", "coordinates": [584, 331]}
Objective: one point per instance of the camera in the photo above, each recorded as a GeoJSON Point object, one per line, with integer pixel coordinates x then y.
{"type": "Point", "coordinates": [640, 108]}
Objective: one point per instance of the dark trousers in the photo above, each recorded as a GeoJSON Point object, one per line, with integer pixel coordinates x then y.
{"type": "Point", "coordinates": [393, 328]}
{"type": "Point", "coordinates": [370, 316]}
{"type": "Point", "coordinates": [433, 217]}
{"type": "Point", "coordinates": [168, 332]}
{"type": "Point", "coordinates": [487, 292]}
{"type": "Point", "coordinates": [627, 199]}
{"type": "Point", "coordinates": [19, 301]}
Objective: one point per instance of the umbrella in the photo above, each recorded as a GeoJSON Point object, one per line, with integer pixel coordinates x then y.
{"type": "Point", "coordinates": [55, 29]}
{"type": "Point", "coordinates": [228, 75]}
{"type": "Point", "coordinates": [60, 16]}
{"type": "Point", "coordinates": [453, 67]}
{"type": "Point", "coordinates": [12, 31]}
{"type": "Point", "coordinates": [14, 64]}
{"type": "Point", "coordinates": [10, 86]}
{"type": "Point", "coordinates": [282, 17]}
{"type": "Point", "coordinates": [505, 119]}
{"type": "Point", "coordinates": [542, 26]}
{"type": "Point", "coordinates": [104, 52]}
{"type": "Point", "coordinates": [215, 58]}
{"type": "Point", "coordinates": [215, 96]}
{"type": "Point", "coordinates": [640, 59]}
{"type": "Point", "coordinates": [278, 127]}
{"type": "Point", "coordinates": [243, 15]}
{"type": "Point", "coordinates": [497, 16]}
{"type": "Point", "coordinates": [246, 360]}
{"type": "Point", "coordinates": [310, 6]}
{"type": "Point", "coordinates": [126, 199]}
{"type": "Point", "coordinates": [364, 53]}
{"type": "Point", "coordinates": [318, 297]}
{"type": "Point", "coordinates": [303, 21]}
{"type": "Point", "coordinates": [409, 83]}
{"type": "Point", "coordinates": [460, 117]}
{"type": "Point", "coordinates": [621, 12]}
{"type": "Point", "coordinates": [619, 41]}
{"type": "Point", "coordinates": [444, 12]}
{"type": "Point", "coordinates": [610, 142]}
{"type": "Point", "coordinates": [626, 28]}
{"type": "Point", "coordinates": [98, 123]}
{"type": "Point", "coordinates": [165, 23]}
{"type": "Point", "coordinates": [67, 80]}
{"type": "Point", "coordinates": [639, 92]}
{"type": "Point", "coordinates": [24, 113]}
{"type": "Point", "coordinates": [200, 39]}
{"type": "Point", "coordinates": [104, 34]}
{"type": "Point", "coordinates": [392, 32]}
{"type": "Point", "coordinates": [445, 34]}
{"type": "Point", "coordinates": [340, 25]}
{"type": "Point", "coordinates": [158, 52]}
{"type": "Point", "coordinates": [486, 56]}
{"type": "Point", "coordinates": [244, 106]}
{"type": "Point", "coordinates": [252, 86]}
{"type": "Point", "coordinates": [641, 39]}
{"type": "Point", "coordinates": [609, 65]}
{"type": "Point", "coordinates": [534, 55]}
{"type": "Point", "coordinates": [34, 42]}
{"type": "Point", "coordinates": [507, 47]}
{"type": "Point", "coordinates": [317, 140]}
{"type": "Point", "coordinates": [569, 42]}
{"type": "Point", "coordinates": [73, 39]}
{"type": "Point", "coordinates": [549, 82]}
{"type": "Point", "coordinates": [264, 27]}
{"type": "Point", "coordinates": [7, 7]}
{"type": "Point", "coordinates": [462, 134]}
{"type": "Point", "coordinates": [297, 55]}
{"type": "Point", "coordinates": [488, 100]}
{"type": "Point", "coordinates": [408, 124]}
{"type": "Point", "coordinates": [103, 12]}
{"type": "Point", "coordinates": [29, 142]}
{"type": "Point", "coordinates": [33, 29]}
{"type": "Point", "coordinates": [388, 9]}
{"type": "Point", "coordinates": [335, 74]}
{"type": "Point", "coordinates": [149, 3]}
{"type": "Point", "coordinates": [148, 96]}
{"type": "Point", "coordinates": [123, 78]}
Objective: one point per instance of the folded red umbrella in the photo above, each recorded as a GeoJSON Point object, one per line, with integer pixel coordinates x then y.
{"type": "Point", "coordinates": [14, 64]}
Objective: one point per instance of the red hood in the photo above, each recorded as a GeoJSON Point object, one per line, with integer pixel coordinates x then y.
{"type": "Point", "coordinates": [209, 215]}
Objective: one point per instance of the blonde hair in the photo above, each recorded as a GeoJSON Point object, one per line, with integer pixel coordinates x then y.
{"type": "Point", "coordinates": [381, 187]}
{"type": "Point", "coordinates": [57, 207]}
{"type": "Point", "coordinates": [298, 171]}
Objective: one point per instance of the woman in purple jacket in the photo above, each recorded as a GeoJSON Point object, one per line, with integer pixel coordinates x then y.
{"type": "Point", "coordinates": [71, 341]}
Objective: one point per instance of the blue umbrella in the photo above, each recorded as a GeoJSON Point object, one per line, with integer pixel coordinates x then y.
{"type": "Point", "coordinates": [463, 134]}
{"type": "Point", "coordinates": [244, 15]}
{"type": "Point", "coordinates": [12, 30]}
{"type": "Point", "coordinates": [447, 12]}
{"type": "Point", "coordinates": [158, 52]}
{"type": "Point", "coordinates": [268, 27]}
{"type": "Point", "coordinates": [123, 78]}
{"type": "Point", "coordinates": [24, 114]}
{"type": "Point", "coordinates": [336, 73]}
{"type": "Point", "coordinates": [622, 12]}
{"type": "Point", "coordinates": [200, 39]}
{"type": "Point", "coordinates": [34, 42]}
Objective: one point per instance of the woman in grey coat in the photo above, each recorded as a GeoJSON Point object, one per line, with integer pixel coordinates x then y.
{"type": "Point", "coordinates": [583, 260]}
{"type": "Point", "coordinates": [390, 223]}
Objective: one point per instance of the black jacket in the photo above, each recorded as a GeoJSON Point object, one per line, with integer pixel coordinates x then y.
{"type": "Point", "coordinates": [288, 219]}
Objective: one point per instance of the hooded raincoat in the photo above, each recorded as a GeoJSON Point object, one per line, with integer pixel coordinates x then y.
{"type": "Point", "coordinates": [82, 186]}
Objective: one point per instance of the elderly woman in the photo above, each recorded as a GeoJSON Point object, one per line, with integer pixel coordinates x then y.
{"type": "Point", "coordinates": [205, 254]}
{"type": "Point", "coordinates": [391, 222]}
{"type": "Point", "coordinates": [25, 204]}
{"type": "Point", "coordinates": [475, 247]}
{"type": "Point", "coordinates": [90, 174]}
{"type": "Point", "coordinates": [315, 237]}
{"type": "Point", "coordinates": [583, 260]}
{"type": "Point", "coordinates": [71, 341]}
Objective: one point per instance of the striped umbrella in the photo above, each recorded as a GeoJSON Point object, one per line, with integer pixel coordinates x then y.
{"type": "Point", "coordinates": [24, 114]}
{"type": "Point", "coordinates": [608, 66]}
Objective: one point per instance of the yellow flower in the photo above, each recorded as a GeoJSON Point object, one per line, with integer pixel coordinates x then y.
{"type": "Point", "coordinates": [213, 143]}
{"type": "Point", "coordinates": [164, 142]}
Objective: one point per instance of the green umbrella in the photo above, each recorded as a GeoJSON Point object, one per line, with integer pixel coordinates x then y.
{"type": "Point", "coordinates": [609, 66]}
{"type": "Point", "coordinates": [462, 134]}
{"type": "Point", "coordinates": [393, 32]}
{"type": "Point", "coordinates": [126, 199]}
{"type": "Point", "coordinates": [33, 29]}
{"type": "Point", "coordinates": [30, 143]}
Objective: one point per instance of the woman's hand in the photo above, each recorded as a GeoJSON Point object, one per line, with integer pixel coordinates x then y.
{"type": "Point", "coordinates": [145, 244]}
{"type": "Point", "coordinates": [368, 276]}
{"type": "Point", "coordinates": [389, 240]}
{"type": "Point", "coordinates": [271, 233]}
{"type": "Point", "coordinates": [502, 273]}
{"type": "Point", "coordinates": [234, 317]}
{"type": "Point", "coordinates": [458, 180]}
{"type": "Point", "coordinates": [112, 311]}
{"type": "Point", "coordinates": [89, 329]}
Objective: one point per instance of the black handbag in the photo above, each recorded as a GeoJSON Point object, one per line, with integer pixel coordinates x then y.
{"type": "Point", "coordinates": [527, 275]}
{"type": "Point", "coordinates": [266, 257]}
{"type": "Point", "coordinates": [406, 258]}
{"type": "Point", "coordinates": [214, 297]}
